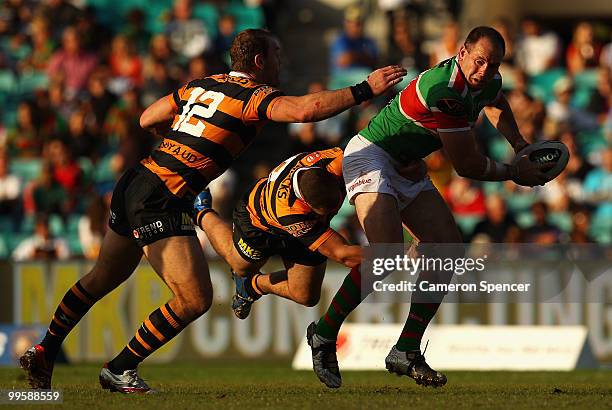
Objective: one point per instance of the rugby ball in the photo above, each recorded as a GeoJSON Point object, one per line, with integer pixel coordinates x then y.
{"type": "Point", "coordinates": [552, 153]}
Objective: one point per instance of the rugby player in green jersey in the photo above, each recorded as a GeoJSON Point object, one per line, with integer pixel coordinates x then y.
{"type": "Point", "coordinates": [437, 109]}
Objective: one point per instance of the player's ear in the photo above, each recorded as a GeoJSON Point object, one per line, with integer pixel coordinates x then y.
{"type": "Point", "coordinates": [462, 52]}
{"type": "Point", "coordinates": [259, 61]}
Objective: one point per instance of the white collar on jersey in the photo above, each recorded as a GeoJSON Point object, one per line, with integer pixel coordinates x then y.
{"type": "Point", "coordinates": [294, 183]}
{"type": "Point", "coordinates": [240, 74]}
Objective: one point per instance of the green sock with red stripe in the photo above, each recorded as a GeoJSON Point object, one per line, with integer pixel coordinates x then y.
{"type": "Point", "coordinates": [418, 319]}
{"type": "Point", "coordinates": [344, 302]}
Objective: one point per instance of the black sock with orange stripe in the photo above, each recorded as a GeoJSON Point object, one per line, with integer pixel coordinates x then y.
{"type": "Point", "coordinates": [72, 308]}
{"type": "Point", "coordinates": [161, 326]}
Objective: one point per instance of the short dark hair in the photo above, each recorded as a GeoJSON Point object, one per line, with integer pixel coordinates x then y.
{"type": "Point", "coordinates": [485, 32]}
{"type": "Point", "coordinates": [320, 189]}
{"type": "Point", "coordinates": [246, 46]}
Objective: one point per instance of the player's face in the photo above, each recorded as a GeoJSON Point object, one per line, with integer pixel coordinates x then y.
{"type": "Point", "coordinates": [326, 212]}
{"type": "Point", "coordinates": [272, 64]}
{"type": "Point", "coordinates": [480, 63]}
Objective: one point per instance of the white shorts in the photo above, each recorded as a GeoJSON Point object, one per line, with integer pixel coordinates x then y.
{"type": "Point", "coordinates": [368, 168]}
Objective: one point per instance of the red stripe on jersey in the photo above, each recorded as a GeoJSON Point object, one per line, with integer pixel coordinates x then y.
{"type": "Point", "coordinates": [412, 106]}
{"type": "Point", "coordinates": [459, 84]}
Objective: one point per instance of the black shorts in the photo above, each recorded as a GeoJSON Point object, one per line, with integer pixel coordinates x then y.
{"type": "Point", "coordinates": [144, 209]}
{"type": "Point", "coordinates": [255, 245]}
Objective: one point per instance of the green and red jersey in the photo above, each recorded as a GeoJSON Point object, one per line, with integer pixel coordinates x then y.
{"type": "Point", "coordinates": [438, 100]}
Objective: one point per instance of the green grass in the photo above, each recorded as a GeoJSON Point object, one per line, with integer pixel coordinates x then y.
{"type": "Point", "coordinates": [249, 385]}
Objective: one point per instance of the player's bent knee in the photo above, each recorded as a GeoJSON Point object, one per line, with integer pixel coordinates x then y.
{"type": "Point", "coordinates": [307, 299]}
{"type": "Point", "coordinates": [195, 307]}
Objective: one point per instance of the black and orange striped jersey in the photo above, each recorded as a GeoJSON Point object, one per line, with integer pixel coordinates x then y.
{"type": "Point", "coordinates": [217, 118]}
{"type": "Point", "coordinates": [275, 206]}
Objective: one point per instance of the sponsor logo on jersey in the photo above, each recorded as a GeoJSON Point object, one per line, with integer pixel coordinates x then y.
{"type": "Point", "coordinates": [300, 228]}
{"type": "Point", "coordinates": [313, 157]}
{"type": "Point", "coordinates": [148, 230]}
{"type": "Point", "coordinates": [248, 251]}
{"type": "Point", "coordinates": [186, 222]}
{"type": "Point", "coordinates": [359, 182]}
{"type": "Point", "coordinates": [178, 150]}
{"type": "Point", "coordinates": [451, 106]}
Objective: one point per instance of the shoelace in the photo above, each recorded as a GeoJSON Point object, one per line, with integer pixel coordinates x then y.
{"type": "Point", "coordinates": [330, 360]}
{"type": "Point", "coordinates": [134, 379]}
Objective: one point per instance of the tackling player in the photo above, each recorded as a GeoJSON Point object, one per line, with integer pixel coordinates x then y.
{"type": "Point", "coordinates": [206, 124]}
{"type": "Point", "coordinates": [437, 109]}
{"type": "Point", "coordinates": [285, 214]}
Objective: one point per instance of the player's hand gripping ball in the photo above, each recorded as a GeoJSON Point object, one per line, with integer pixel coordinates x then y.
{"type": "Point", "coordinates": [547, 159]}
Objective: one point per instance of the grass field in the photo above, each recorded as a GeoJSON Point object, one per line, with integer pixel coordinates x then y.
{"type": "Point", "coordinates": [249, 385]}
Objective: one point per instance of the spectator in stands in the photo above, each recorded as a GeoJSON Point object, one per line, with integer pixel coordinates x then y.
{"type": "Point", "coordinates": [498, 222]}
{"type": "Point", "coordinates": [61, 12]}
{"type": "Point", "coordinates": [42, 245]}
{"type": "Point", "coordinates": [505, 27]}
{"type": "Point", "coordinates": [528, 111]}
{"type": "Point", "coordinates": [42, 45]}
{"type": "Point", "coordinates": [537, 50]}
{"type": "Point", "coordinates": [59, 104]}
{"type": "Point", "coordinates": [134, 144]}
{"type": "Point", "coordinates": [353, 49]}
{"type": "Point", "coordinates": [605, 59]}
{"type": "Point", "coordinates": [467, 202]}
{"type": "Point", "coordinates": [581, 225]}
{"type": "Point", "coordinates": [508, 66]}
{"type": "Point", "coordinates": [583, 52]}
{"type": "Point", "coordinates": [406, 50]}
{"type": "Point", "coordinates": [226, 31]}
{"type": "Point", "coordinates": [14, 16]}
{"type": "Point", "coordinates": [561, 113]}
{"type": "Point", "coordinates": [158, 84]}
{"type": "Point", "coordinates": [125, 65]}
{"type": "Point", "coordinates": [198, 67]}
{"type": "Point", "coordinates": [94, 224]}
{"type": "Point", "coordinates": [598, 191]}
{"type": "Point", "coordinates": [46, 195]}
{"type": "Point", "coordinates": [448, 44]}
{"type": "Point", "coordinates": [10, 192]}
{"type": "Point", "coordinates": [95, 37]}
{"type": "Point", "coordinates": [100, 99]}
{"type": "Point", "coordinates": [71, 65]}
{"type": "Point", "coordinates": [25, 139]}
{"type": "Point", "coordinates": [541, 232]}
{"type": "Point", "coordinates": [160, 51]}
{"type": "Point", "coordinates": [66, 172]}
{"type": "Point", "coordinates": [188, 35]}
{"type": "Point", "coordinates": [556, 195]}
{"type": "Point", "coordinates": [136, 32]}
{"type": "Point", "coordinates": [577, 167]}
{"type": "Point", "coordinates": [82, 143]}
{"type": "Point", "coordinates": [599, 103]}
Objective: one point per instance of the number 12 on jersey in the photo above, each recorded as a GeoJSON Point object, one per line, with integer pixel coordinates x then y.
{"type": "Point", "coordinates": [202, 104]}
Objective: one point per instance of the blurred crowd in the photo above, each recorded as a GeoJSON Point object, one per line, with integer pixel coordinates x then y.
{"type": "Point", "coordinates": [74, 80]}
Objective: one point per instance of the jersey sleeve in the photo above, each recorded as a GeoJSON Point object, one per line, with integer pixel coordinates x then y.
{"type": "Point", "coordinates": [262, 100]}
{"type": "Point", "coordinates": [178, 96]}
{"type": "Point", "coordinates": [335, 166]}
{"type": "Point", "coordinates": [310, 232]}
{"type": "Point", "coordinates": [448, 108]}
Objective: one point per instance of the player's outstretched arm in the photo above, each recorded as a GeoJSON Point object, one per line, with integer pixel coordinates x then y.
{"type": "Point", "coordinates": [463, 152]}
{"type": "Point", "coordinates": [158, 116]}
{"type": "Point", "coordinates": [502, 118]}
{"type": "Point", "coordinates": [325, 104]}
{"type": "Point", "coordinates": [339, 250]}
